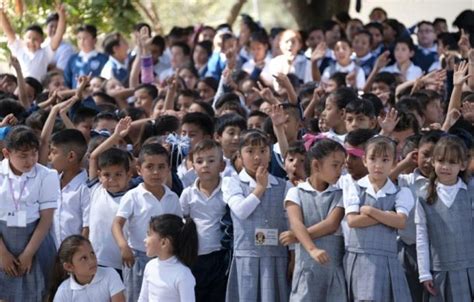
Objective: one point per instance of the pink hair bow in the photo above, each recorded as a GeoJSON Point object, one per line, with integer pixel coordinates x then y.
{"type": "Point", "coordinates": [310, 139]}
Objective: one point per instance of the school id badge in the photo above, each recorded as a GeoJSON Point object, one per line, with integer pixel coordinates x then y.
{"type": "Point", "coordinates": [16, 219]}
{"type": "Point", "coordinates": [266, 236]}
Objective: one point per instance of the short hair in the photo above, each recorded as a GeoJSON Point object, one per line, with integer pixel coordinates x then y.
{"type": "Point", "coordinates": [375, 25]}
{"type": "Point", "coordinates": [361, 106]}
{"type": "Point", "coordinates": [35, 84]}
{"type": "Point", "coordinates": [254, 137]}
{"type": "Point", "coordinates": [151, 150]}
{"type": "Point", "coordinates": [292, 110]}
{"type": "Point", "coordinates": [430, 137]}
{"type": "Point", "coordinates": [52, 17]}
{"type": "Point", "coordinates": [386, 78]}
{"type": "Point", "coordinates": [259, 36]}
{"type": "Point", "coordinates": [202, 120]}
{"type": "Point", "coordinates": [257, 113]}
{"type": "Point", "coordinates": [206, 45]}
{"type": "Point", "coordinates": [184, 47]}
{"type": "Point", "coordinates": [70, 140]}
{"type": "Point", "coordinates": [9, 105]}
{"type": "Point", "coordinates": [206, 144]}
{"type": "Point", "coordinates": [342, 96]}
{"type": "Point", "coordinates": [449, 40]}
{"type": "Point", "coordinates": [104, 96]}
{"type": "Point", "coordinates": [159, 41]}
{"type": "Point", "coordinates": [409, 103]}
{"type": "Point", "coordinates": [36, 28]}
{"type": "Point", "coordinates": [407, 41]}
{"type": "Point", "coordinates": [90, 29]}
{"type": "Point", "coordinates": [226, 97]}
{"type": "Point", "coordinates": [206, 107]}
{"type": "Point", "coordinates": [296, 147]}
{"type": "Point", "coordinates": [140, 25]}
{"type": "Point", "coordinates": [114, 157]}
{"type": "Point", "coordinates": [407, 121]}
{"type": "Point", "coordinates": [49, 76]}
{"type": "Point", "coordinates": [359, 137]}
{"type": "Point", "coordinates": [424, 22]}
{"type": "Point", "coordinates": [21, 138]}
{"type": "Point", "coordinates": [37, 119]}
{"type": "Point", "coordinates": [339, 78]}
{"type": "Point", "coordinates": [233, 106]}
{"type": "Point", "coordinates": [82, 114]}
{"type": "Point", "coordinates": [439, 20]}
{"type": "Point", "coordinates": [365, 32]}
{"type": "Point", "coordinates": [376, 102]}
{"type": "Point", "coordinates": [106, 115]}
{"type": "Point", "coordinates": [328, 25]}
{"type": "Point", "coordinates": [230, 120]}
{"type": "Point", "coordinates": [211, 82]}
{"type": "Point", "coordinates": [150, 89]}
{"type": "Point", "coordinates": [111, 40]}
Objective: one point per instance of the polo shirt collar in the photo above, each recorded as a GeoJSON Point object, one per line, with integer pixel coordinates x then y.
{"type": "Point", "coordinates": [97, 278]}
{"type": "Point", "coordinates": [306, 186]}
{"type": "Point", "coordinates": [388, 188]}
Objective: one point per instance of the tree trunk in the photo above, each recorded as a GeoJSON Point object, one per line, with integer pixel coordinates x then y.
{"type": "Point", "coordinates": [309, 13]}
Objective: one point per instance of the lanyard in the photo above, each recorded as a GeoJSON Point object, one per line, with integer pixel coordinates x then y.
{"type": "Point", "coordinates": [15, 200]}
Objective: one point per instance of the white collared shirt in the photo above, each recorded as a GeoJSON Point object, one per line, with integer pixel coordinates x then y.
{"type": "Point", "coordinates": [103, 208]}
{"type": "Point", "coordinates": [32, 64]}
{"type": "Point", "coordinates": [167, 280]}
{"type": "Point", "coordinates": [447, 195]}
{"type": "Point", "coordinates": [72, 214]}
{"type": "Point", "coordinates": [360, 76]}
{"type": "Point", "coordinates": [249, 66]}
{"type": "Point", "coordinates": [206, 213]}
{"type": "Point", "coordinates": [301, 67]}
{"type": "Point", "coordinates": [62, 54]}
{"type": "Point", "coordinates": [340, 138]}
{"type": "Point", "coordinates": [413, 72]}
{"type": "Point", "coordinates": [107, 71]}
{"type": "Point", "coordinates": [40, 188]}
{"type": "Point", "coordinates": [105, 284]}
{"type": "Point", "coordinates": [404, 200]}
{"type": "Point", "coordinates": [294, 197]}
{"type": "Point", "coordinates": [86, 56]}
{"type": "Point", "coordinates": [138, 205]}
{"type": "Point", "coordinates": [242, 206]}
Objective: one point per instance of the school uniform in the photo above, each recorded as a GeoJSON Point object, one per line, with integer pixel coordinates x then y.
{"type": "Point", "coordinates": [24, 197]}
{"type": "Point", "coordinates": [445, 242]}
{"type": "Point", "coordinates": [425, 56]}
{"type": "Point", "coordinates": [413, 72]}
{"type": "Point", "coordinates": [115, 69]}
{"type": "Point", "coordinates": [352, 67]}
{"type": "Point", "coordinates": [167, 280]}
{"type": "Point", "coordinates": [417, 184]}
{"type": "Point", "coordinates": [340, 138]}
{"type": "Point", "coordinates": [81, 64]}
{"type": "Point", "coordinates": [211, 266]}
{"type": "Point", "coordinates": [258, 269]}
{"type": "Point", "coordinates": [366, 63]}
{"type": "Point", "coordinates": [103, 208]}
{"type": "Point", "coordinates": [62, 54]}
{"type": "Point", "coordinates": [300, 67]}
{"type": "Point", "coordinates": [137, 207]}
{"type": "Point", "coordinates": [328, 60]}
{"type": "Point", "coordinates": [348, 186]}
{"type": "Point", "coordinates": [372, 269]}
{"type": "Point", "coordinates": [313, 281]}
{"type": "Point", "coordinates": [254, 71]}
{"type": "Point", "coordinates": [105, 284]}
{"type": "Point", "coordinates": [72, 213]}
{"type": "Point", "coordinates": [277, 162]}
{"type": "Point", "coordinates": [32, 64]}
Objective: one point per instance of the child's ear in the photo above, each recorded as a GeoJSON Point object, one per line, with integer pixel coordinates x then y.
{"type": "Point", "coordinates": [314, 165]}
{"type": "Point", "coordinates": [71, 155]}
{"type": "Point", "coordinates": [217, 137]}
{"type": "Point", "coordinates": [5, 153]}
{"type": "Point", "coordinates": [222, 166]}
{"type": "Point", "coordinates": [68, 267]}
{"type": "Point", "coordinates": [373, 122]}
{"type": "Point", "coordinates": [364, 161]}
{"type": "Point", "coordinates": [138, 170]}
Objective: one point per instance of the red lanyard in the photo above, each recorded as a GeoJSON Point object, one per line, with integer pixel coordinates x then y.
{"type": "Point", "coordinates": [12, 192]}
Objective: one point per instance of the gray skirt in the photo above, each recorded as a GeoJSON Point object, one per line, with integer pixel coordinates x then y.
{"type": "Point", "coordinates": [375, 278]}
{"type": "Point", "coordinates": [133, 277]}
{"type": "Point", "coordinates": [453, 286]}
{"type": "Point", "coordinates": [31, 286]}
{"type": "Point", "coordinates": [253, 279]}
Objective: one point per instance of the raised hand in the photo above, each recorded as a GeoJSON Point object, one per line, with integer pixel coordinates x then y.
{"type": "Point", "coordinates": [9, 120]}
{"type": "Point", "coordinates": [388, 123]}
{"type": "Point", "coordinates": [265, 93]}
{"type": "Point", "coordinates": [382, 60]}
{"type": "Point", "coordinates": [319, 52]}
{"type": "Point", "coordinates": [123, 126]}
{"type": "Point", "coordinates": [278, 115]}
{"type": "Point", "coordinates": [459, 76]}
{"type": "Point", "coordinates": [262, 176]}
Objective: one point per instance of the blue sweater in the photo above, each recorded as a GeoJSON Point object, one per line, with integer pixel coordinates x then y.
{"type": "Point", "coordinates": [75, 68]}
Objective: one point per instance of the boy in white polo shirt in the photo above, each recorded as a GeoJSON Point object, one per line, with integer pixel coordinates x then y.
{"type": "Point", "coordinates": [204, 203]}
{"type": "Point", "coordinates": [151, 198]}
{"type": "Point", "coordinates": [33, 58]}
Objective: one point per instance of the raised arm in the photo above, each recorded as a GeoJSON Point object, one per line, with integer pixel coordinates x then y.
{"type": "Point", "coordinates": [7, 27]}
{"type": "Point", "coordinates": [234, 11]}
{"type": "Point", "coordinates": [380, 63]}
{"type": "Point", "coordinates": [279, 119]}
{"type": "Point", "coordinates": [459, 78]}
{"type": "Point", "coordinates": [22, 97]}
{"type": "Point", "coordinates": [61, 29]}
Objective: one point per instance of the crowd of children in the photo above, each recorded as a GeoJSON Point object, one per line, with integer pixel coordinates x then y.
{"type": "Point", "coordinates": [327, 164]}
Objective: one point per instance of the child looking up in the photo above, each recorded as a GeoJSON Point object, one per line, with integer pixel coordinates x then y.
{"type": "Point", "coordinates": [444, 225]}
{"type": "Point", "coordinates": [116, 67]}
{"type": "Point", "coordinates": [87, 281]}
{"type": "Point", "coordinates": [374, 212]}
{"type": "Point", "coordinates": [404, 51]}
{"type": "Point", "coordinates": [33, 58]}
{"type": "Point", "coordinates": [174, 243]}
{"type": "Point", "coordinates": [315, 211]}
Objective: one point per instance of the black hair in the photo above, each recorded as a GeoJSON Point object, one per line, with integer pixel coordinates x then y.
{"type": "Point", "coordinates": [106, 115]}
{"type": "Point", "coordinates": [162, 125]}
{"type": "Point", "coordinates": [367, 33]}
{"type": "Point", "coordinates": [260, 36]}
{"type": "Point", "coordinates": [296, 147]}
{"type": "Point", "coordinates": [211, 82]}
{"type": "Point", "coordinates": [21, 138]}
{"type": "Point", "coordinates": [230, 120]}
{"type": "Point", "coordinates": [254, 137]}
{"type": "Point", "coordinates": [342, 96]}
{"type": "Point", "coordinates": [69, 246]}
{"type": "Point", "coordinates": [158, 41]}
{"type": "Point", "coordinates": [82, 114]}
{"type": "Point", "coordinates": [396, 26]}
{"type": "Point", "coordinates": [409, 103]}
{"type": "Point", "coordinates": [407, 41]}
{"type": "Point", "coordinates": [140, 25]}
{"type": "Point", "coordinates": [182, 234]}
{"type": "Point", "coordinates": [111, 41]}
{"type": "Point", "coordinates": [207, 45]}
{"type": "Point", "coordinates": [320, 150]}
{"type": "Point", "coordinates": [328, 25]}
{"type": "Point", "coordinates": [150, 90]}
{"type": "Point", "coordinates": [70, 140]}
{"type": "Point", "coordinates": [449, 40]}
{"type": "Point", "coordinates": [114, 157]}
{"type": "Point", "coordinates": [343, 17]}
{"type": "Point", "coordinates": [411, 143]}
{"type": "Point", "coordinates": [381, 146]}
{"type": "Point", "coordinates": [233, 105]}
{"type": "Point", "coordinates": [184, 47]}
{"type": "Point", "coordinates": [375, 25]}
{"type": "Point", "coordinates": [153, 149]}
{"type": "Point", "coordinates": [407, 121]}
{"type": "Point", "coordinates": [35, 84]}
{"type": "Point", "coordinates": [104, 97]}
{"type": "Point", "coordinates": [36, 28]}
{"type": "Point", "coordinates": [376, 102]}
{"type": "Point", "coordinates": [257, 113]}
{"type": "Point", "coordinates": [439, 20]}
{"type": "Point", "coordinates": [52, 17]}
{"type": "Point", "coordinates": [37, 119]}
{"type": "Point", "coordinates": [339, 78]}
{"type": "Point", "coordinates": [49, 76]}
{"type": "Point", "coordinates": [379, 9]}
{"type": "Point", "coordinates": [448, 148]}
{"type": "Point", "coordinates": [361, 106]}
{"type": "Point", "coordinates": [10, 105]}
{"type": "Point", "coordinates": [133, 112]}
{"type": "Point", "coordinates": [206, 107]}
{"type": "Point", "coordinates": [359, 137]}
{"type": "Point", "coordinates": [424, 22]}
{"type": "Point", "coordinates": [88, 28]}
{"type": "Point", "coordinates": [226, 97]}
{"type": "Point", "coordinates": [431, 137]}
{"type": "Point", "coordinates": [202, 120]}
